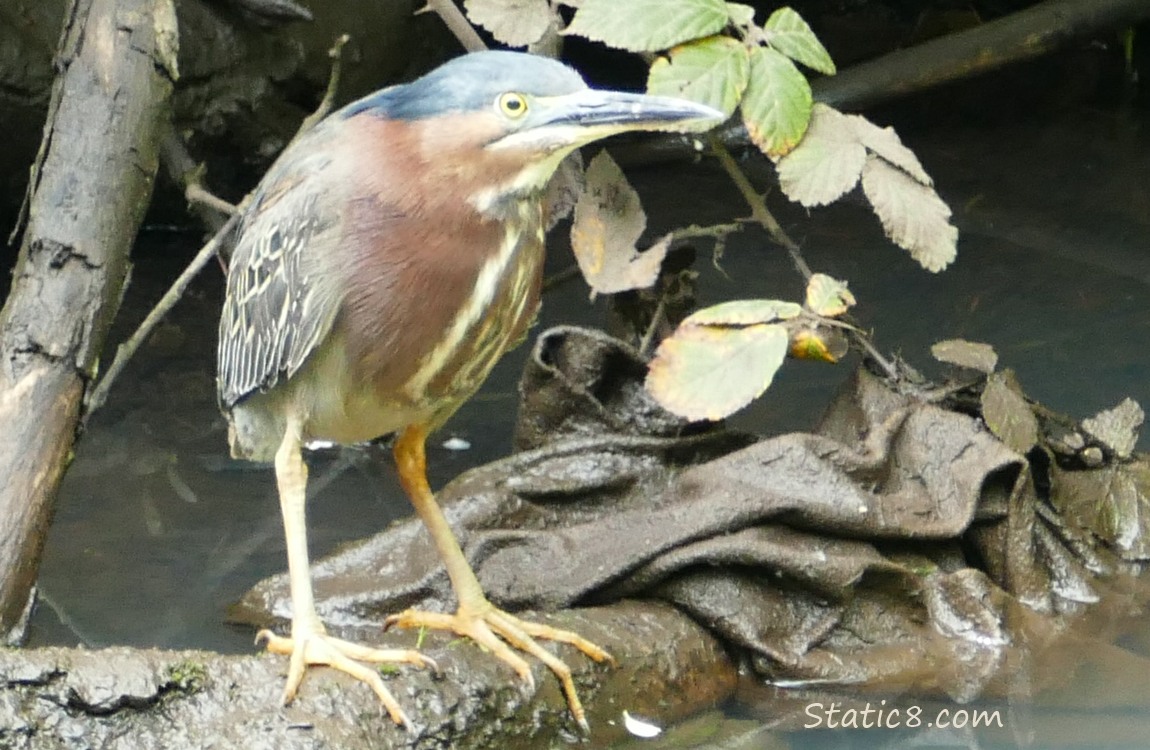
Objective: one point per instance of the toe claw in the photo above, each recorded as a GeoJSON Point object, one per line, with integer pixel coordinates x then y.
{"type": "Point", "coordinates": [308, 647]}
{"type": "Point", "coordinates": [500, 633]}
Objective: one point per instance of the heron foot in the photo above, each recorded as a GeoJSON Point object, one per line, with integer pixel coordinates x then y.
{"type": "Point", "coordinates": [311, 648]}
{"type": "Point", "coordinates": [495, 630]}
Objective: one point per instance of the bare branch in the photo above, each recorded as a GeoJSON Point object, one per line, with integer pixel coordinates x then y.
{"type": "Point", "coordinates": [187, 172]}
{"type": "Point", "coordinates": [761, 215]}
{"type": "Point", "coordinates": [456, 23]}
{"type": "Point", "coordinates": [328, 101]}
{"type": "Point", "coordinates": [98, 395]}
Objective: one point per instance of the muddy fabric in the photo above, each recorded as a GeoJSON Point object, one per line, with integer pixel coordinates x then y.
{"type": "Point", "coordinates": [899, 534]}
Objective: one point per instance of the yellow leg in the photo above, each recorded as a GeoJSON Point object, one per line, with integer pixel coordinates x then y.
{"type": "Point", "coordinates": [309, 643]}
{"type": "Point", "coordinates": [477, 618]}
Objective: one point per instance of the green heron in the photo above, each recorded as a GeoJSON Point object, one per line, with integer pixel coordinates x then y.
{"type": "Point", "coordinates": [386, 261]}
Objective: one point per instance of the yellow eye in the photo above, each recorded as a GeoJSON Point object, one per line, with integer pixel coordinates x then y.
{"type": "Point", "coordinates": [513, 105]}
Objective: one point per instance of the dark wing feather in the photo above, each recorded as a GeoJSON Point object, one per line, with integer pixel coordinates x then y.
{"type": "Point", "coordinates": [280, 302]}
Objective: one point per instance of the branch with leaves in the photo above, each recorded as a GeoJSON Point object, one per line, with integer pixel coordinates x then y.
{"type": "Point", "coordinates": [713, 52]}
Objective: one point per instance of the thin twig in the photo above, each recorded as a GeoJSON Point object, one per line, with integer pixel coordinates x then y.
{"type": "Point", "coordinates": [712, 231]}
{"type": "Point", "coordinates": [191, 177]}
{"type": "Point", "coordinates": [328, 101]}
{"type": "Point", "coordinates": [456, 23]}
{"type": "Point", "coordinates": [561, 277]}
{"type": "Point", "coordinates": [185, 171]}
{"type": "Point", "coordinates": [98, 395]}
{"type": "Point", "coordinates": [656, 321]}
{"type": "Point", "coordinates": [761, 215]}
{"type": "Point", "coordinates": [863, 341]}
{"type": "Point", "coordinates": [197, 193]}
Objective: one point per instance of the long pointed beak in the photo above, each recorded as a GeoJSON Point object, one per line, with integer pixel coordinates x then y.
{"type": "Point", "coordinates": [601, 113]}
{"type": "Point", "coordinates": [558, 124]}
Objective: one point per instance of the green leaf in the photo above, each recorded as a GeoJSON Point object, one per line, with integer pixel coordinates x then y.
{"type": "Point", "coordinates": [744, 312]}
{"type": "Point", "coordinates": [827, 162]}
{"type": "Point", "coordinates": [707, 372]}
{"type": "Point", "coordinates": [741, 15]}
{"type": "Point", "coordinates": [828, 296]}
{"type": "Point", "coordinates": [712, 71]}
{"type": "Point", "coordinates": [788, 33]}
{"type": "Point", "coordinates": [777, 103]}
{"type": "Point", "coordinates": [648, 25]}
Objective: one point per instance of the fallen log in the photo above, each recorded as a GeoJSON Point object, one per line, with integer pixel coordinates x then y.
{"type": "Point", "coordinates": [90, 188]}
{"type": "Point", "coordinates": [134, 699]}
{"type": "Point", "coordinates": [1020, 36]}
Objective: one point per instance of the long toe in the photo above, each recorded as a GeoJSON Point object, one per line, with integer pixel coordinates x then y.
{"type": "Point", "coordinates": [501, 632]}
{"type": "Point", "coordinates": [319, 649]}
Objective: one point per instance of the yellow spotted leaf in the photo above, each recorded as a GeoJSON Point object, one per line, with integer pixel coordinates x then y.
{"type": "Point", "coordinates": [828, 296]}
{"type": "Point", "coordinates": [711, 71]}
{"type": "Point", "coordinates": [777, 104]}
{"type": "Point", "coordinates": [710, 372]}
{"type": "Point", "coordinates": [743, 312]}
{"type": "Point", "coordinates": [819, 346]}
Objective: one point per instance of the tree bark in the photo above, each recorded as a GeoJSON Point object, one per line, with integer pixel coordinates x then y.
{"type": "Point", "coordinates": [134, 699]}
{"type": "Point", "coordinates": [90, 188]}
{"type": "Point", "coordinates": [1019, 36]}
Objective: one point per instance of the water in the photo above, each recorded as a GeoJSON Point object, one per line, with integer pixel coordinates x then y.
{"type": "Point", "coordinates": [157, 532]}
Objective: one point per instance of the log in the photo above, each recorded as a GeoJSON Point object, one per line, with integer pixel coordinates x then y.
{"type": "Point", "coordinates": [133, 699]}
{"type": "Point", "coordinates": [90, 188]}
{"type": "Point", "coordinates": [1020, 36]}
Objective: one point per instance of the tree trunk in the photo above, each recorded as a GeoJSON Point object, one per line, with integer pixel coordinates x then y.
{"type": "Point", "coordinates": [89, 191]}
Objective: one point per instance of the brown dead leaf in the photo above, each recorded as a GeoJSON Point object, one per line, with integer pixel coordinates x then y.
{"type": "Point", "coordinates": [1006, 413]}
{"type": "Point", "coordinates": [973, 355]}
{"type": "Point", "coordinates": [609, 220]}
{"type": "Point", "coordinates": [1117, 428]}
{"type": "Point", "coordinates": [516, 23]}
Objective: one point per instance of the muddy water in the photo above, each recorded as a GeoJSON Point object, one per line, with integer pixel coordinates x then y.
{"type": "Point", "coordinates": [157, 531]}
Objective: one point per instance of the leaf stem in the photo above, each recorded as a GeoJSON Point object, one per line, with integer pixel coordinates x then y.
{"type": "Point", "coordinates": [656, 321]}
{"type": "Point", "coordinates": [762, 216]}
{"type": "Point", "coordinates": [713, 231]}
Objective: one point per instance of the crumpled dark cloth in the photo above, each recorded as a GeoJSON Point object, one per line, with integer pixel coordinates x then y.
{"type": "Point", "coordinates": [898, 533]}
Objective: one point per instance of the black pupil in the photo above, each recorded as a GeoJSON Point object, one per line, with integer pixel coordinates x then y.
{"type": "Point", "coordinates": [514, 105]}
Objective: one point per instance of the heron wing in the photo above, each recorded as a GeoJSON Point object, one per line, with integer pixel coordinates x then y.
{"type": "Point", "coordinates": [280, 304]}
